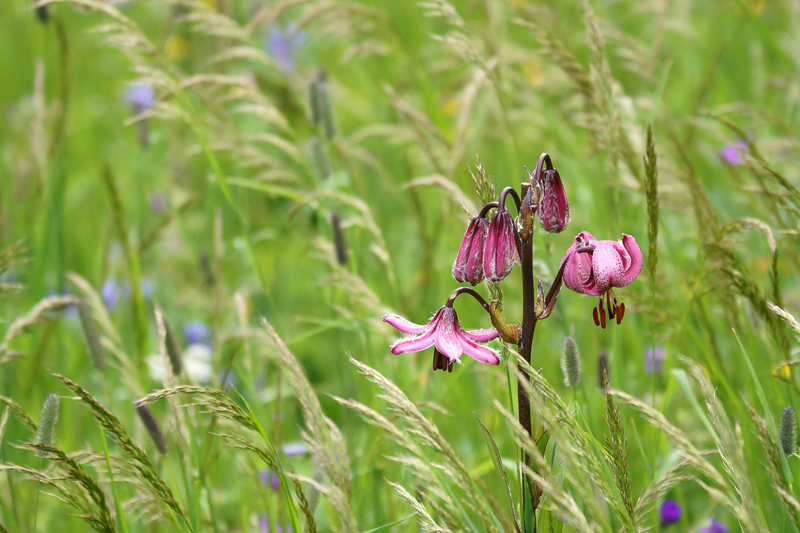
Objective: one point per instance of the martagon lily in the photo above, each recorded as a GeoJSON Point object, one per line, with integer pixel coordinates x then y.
{"type": "Point", "coordinates": [490, 249]}
{"type": "Point", "coordinates": [609, 264]}
{"type": "Point", "coordinates": [445, 333]}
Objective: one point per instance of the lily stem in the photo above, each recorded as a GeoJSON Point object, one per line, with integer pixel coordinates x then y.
{"type": "Point", "coordinates": [526, 339]}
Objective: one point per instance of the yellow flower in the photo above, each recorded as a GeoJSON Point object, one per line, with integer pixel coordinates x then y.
{"type": "Point", "coordinates": [176, 48]}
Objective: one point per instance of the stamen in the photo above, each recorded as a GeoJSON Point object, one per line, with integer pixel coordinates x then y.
{"type": "Point", "coordinates": [436, 359]}
{"type": "Point", "coordinates": [620, 312]}
{"type": "Point", "coordinates": [449, 366]}
{"type": "Point", "coordinates": [602, 314]}
{"type": "Point", "coordinates": [594, 315]}
{"type": "Point", "coordinates": [608, 304]}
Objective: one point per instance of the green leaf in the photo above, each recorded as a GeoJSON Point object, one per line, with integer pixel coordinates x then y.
{"type": "Point", "coordinates": [386, 527]}
{"type": "Point", "coordinates": [494, 452]}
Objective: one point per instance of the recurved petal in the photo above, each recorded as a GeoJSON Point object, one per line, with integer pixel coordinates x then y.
{"type": "Point", "coordinates": [480, 335]}
{"type": "Point", "coordinates": [481, 354]}
{"type": "Point", "coordinates": [579, 275]}
{"type": "Point", "coordinates": [409, 328]}
{"type": "Point", "coordinates": [607, 267]}
{"type": "Point", "coordinates": [637, 260]}
{"type": "Point", "coordinates": [447, 338]}
{"type": "Point", "coordinates": [415, 344]}
{"type": "Point", "coordinates": [583, 236]}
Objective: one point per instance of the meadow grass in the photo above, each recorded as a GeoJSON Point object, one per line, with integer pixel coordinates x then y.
{"type": "Point", "coordinates": [199, 275]}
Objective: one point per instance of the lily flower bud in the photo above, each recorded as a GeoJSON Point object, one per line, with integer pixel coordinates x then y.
{"type": "Point", "coordinates": [468, 266]}
{"type": "Point", "coordinates": [500, 251]}
{"type": "Point", "coordinates": [553, 210]}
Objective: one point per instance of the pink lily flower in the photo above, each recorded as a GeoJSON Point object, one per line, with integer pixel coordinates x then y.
{"type": "Point", "coordinates": [468, 265]}
{"type": "Point", "coordinates": [445, 333]}
{"type": "Point", "coordinates": [610, 264]}
{"type": "Point", "coordinates": [500, 251]}
{"type": "Point", "coordinates": [553, 210]}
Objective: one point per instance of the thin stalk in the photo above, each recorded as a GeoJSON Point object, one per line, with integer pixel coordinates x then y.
{"type": "Point", "coordinates": [526, 340]}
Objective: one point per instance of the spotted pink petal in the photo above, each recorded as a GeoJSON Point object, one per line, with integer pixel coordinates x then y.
{"type": "Point", "coordinates": [637, 260]}
{"type": "Point", "coordinates": [415, 344]}
{"type": "Point", "coordinates": [583, 236]}
{"type": "Point", "coordinates": [447, 334]}
{"type": "Point", "coordinates": [479, 353]}
{"type": "Point", "coordinates": [578, 273]}
{"type": "Point", "coordinates": [409, 328]}
{"type": "Point", "coordinates": [607, 267]}
{"type": "Point", "coordinates": [480, 335]}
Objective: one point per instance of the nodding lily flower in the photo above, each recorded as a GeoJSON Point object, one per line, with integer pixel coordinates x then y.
{"type": "Point", "coordinates": [445, 333]}
{"type": "Point", "coordinates": [553, 209]}
{"type": "Point", "coordinates": [500, 250]}
{"type": "Point", "coordinates": [609, 264]}
{"type": "Point", "coordinates": [468, 266]}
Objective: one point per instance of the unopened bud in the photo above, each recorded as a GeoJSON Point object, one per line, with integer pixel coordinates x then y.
{"type": "Point", "coordinates": [468, 266]}
{"type": "Point", "coordinates": [500, 250]}
{"type": "Point", "coordinates": [553, 210]}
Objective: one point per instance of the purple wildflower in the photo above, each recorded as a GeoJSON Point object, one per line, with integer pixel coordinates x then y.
{"type": "Point", "coordinates": [282, 44]}
{"type": "Point", "coordinates": [111, 293]}
{"type": "Point", "coordinates": [717, 527]}
{"type": "Point", "coordinates": [141, 96]}
{"type": "Point", "coordinates": [733, 153]}
{"type": "Point", "coordinates": [263, 524]}
{"type": "Point", "coordinates": [271, 479]}
{"type": "Point", "coordinates": [291, 449]}
{"type": "Point", "coordinates": [653, 362]}
{"type": "Point", "coordinates": [196, 332]}
{"type": "Point", "coordinates": [670, 512]}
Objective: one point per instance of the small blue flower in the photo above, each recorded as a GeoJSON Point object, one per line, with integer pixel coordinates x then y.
{"type": "Point", "coordinates": [670, 512]}
{"type": "Point", "coordinates": [196, 332]}
{"type": "Point", "coordinates": [141, 96]}
{"type": "Point", "coordinates": [111, 293]}
{"type": "Point", "coordinates": [282, 44]}
{"type": "Point", "coordinates": [654, 360]}
{"type": "Point", "coordinates": [292, 449]}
